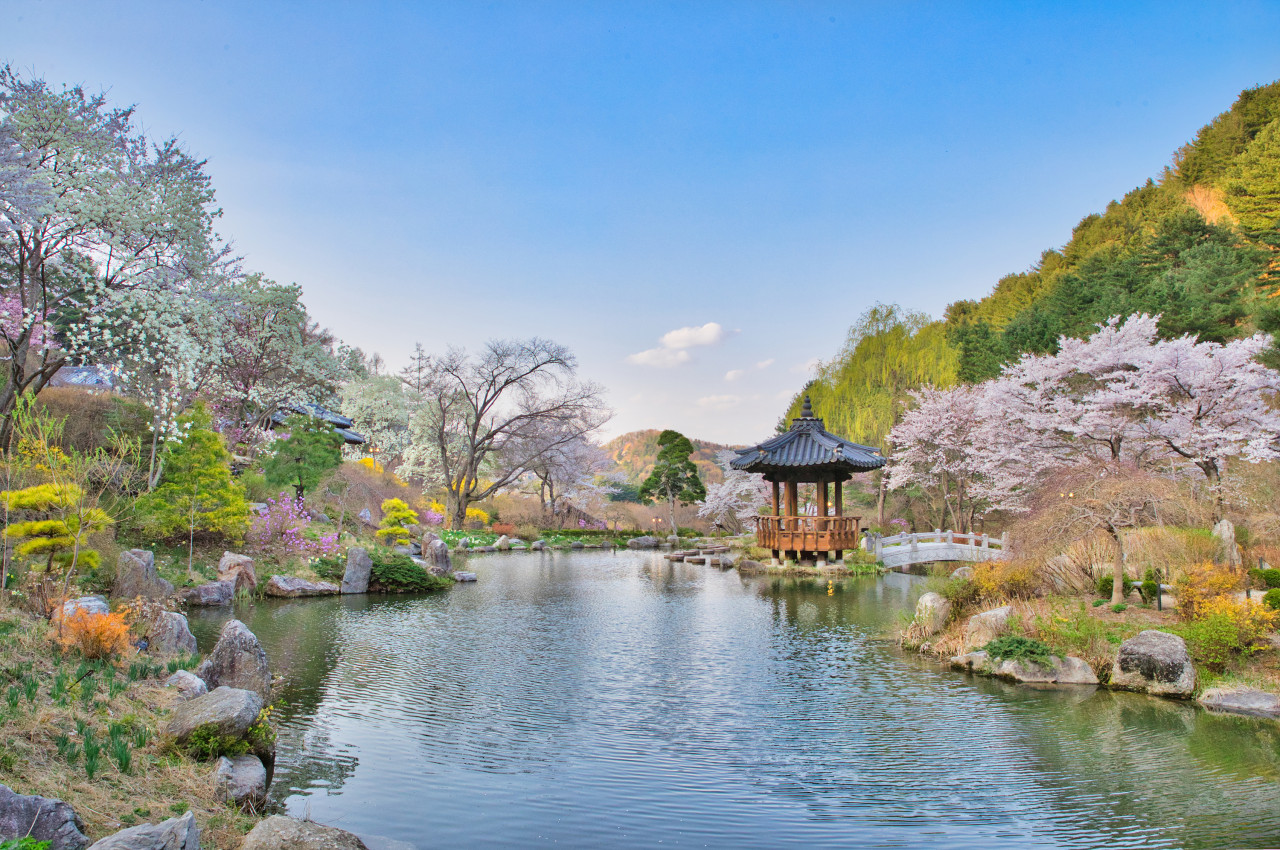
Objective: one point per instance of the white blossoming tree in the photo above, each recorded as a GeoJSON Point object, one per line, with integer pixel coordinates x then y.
{"type": "Point", "coordinates": [733, 503]}
{"type": "Point", "coordinates": [95, 218]}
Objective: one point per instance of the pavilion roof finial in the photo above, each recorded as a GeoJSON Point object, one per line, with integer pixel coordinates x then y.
{"type": "Point", "coordinates": [806, 412]}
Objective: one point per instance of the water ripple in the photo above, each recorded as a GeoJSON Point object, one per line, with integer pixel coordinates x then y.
{"type": "Point", "coordinates": [601, 699]}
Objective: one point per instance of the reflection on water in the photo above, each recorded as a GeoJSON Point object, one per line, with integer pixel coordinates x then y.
{"type": "Point", "coordinates": [616, 699]}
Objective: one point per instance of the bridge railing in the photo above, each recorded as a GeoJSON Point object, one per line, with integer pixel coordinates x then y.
{"type": "Point", "coordinates": [940, 537]}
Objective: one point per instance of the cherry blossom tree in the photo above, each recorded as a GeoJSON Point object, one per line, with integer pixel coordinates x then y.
{"type": "Point", "coordinates": [272, 353]}
{"type": "Point", "coordinates": [1205, 402]}
{"type": "Point", "coordinates": [939, 444]}
{"type": "Point", "coordinates": [573, 471]}
{"type": "Point", "coordinates": [734, 502]}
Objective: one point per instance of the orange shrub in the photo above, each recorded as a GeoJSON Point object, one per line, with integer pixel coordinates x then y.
{"type": "Point", "coordinates": [1201, 583]}
{"type": "Point", "coordinates": [94, 635]}
{"type": "Point", "coordinates": [503, 528]}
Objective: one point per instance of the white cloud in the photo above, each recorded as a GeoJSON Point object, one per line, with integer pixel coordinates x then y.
{"type": "Point", "coordinates": [708, 334]}
{"type": "Point", "coordinates": [734, 374]}
{"type": "Point", "coordinates": [807, 367]}
{"type": "Point", "coordinates": [765, 364]}
{"type": "Point", "coordinates": [663, 358]}
{"type": "Point", "coordinates": [674, 345]}
{"type": "Point", "coordinates": [719, 402]}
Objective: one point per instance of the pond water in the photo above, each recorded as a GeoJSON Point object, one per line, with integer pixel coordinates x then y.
{"type": "Point", "coordinates": [594, 699]}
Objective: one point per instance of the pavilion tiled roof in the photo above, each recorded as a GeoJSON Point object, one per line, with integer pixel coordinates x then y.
{"type": "Point", "coordinates": [808, 446]}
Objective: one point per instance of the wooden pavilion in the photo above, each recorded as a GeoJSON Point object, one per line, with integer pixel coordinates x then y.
{"type": "Point", "coordinates": [807, 454]}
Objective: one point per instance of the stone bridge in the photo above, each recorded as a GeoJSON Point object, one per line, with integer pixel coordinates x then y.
{"type": "Point", "coordinates": [903, 550]}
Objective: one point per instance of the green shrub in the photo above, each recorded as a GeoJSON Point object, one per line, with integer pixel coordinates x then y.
{"type": "Point", "coordinates": [961, 593]}
{"type": "Point", "coordinates": [397, 573]}
{"type": "Point", "coordinates": [206, 743]}
{"type": "Point", "coordinates": [1016, 647]}
{"type": "Point", "coordinates": [329, 566]}
{"type": "Point", "coordinates": [1119, 607]}
{"type": "Point", "coordinates": [1270, 577]}
{"type": "Point", "coordinates": [1105, 583]}
{"type": "Point", "coordinates": [1213, 640]}
{"type": "Point", "coordinates": [1272, 599]}
{"type": "Point", "coordinates": [26, 842]}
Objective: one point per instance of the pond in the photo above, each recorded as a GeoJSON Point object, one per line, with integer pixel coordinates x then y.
{"type": "Point", "coordinates": [589, 699]}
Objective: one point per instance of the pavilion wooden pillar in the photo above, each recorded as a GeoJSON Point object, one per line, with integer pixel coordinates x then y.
{"type": "Point", "coordinates": [822, 498]}
{"type": "Point", "coordinates": [777, 513]}
{"type": "Point", "coordinates": [839, 498]}
{"type": "Point", "coordinates": [792, 507]}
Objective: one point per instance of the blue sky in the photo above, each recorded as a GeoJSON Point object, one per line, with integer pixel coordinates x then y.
{"type": "Point", "coordinates": [750, 176]}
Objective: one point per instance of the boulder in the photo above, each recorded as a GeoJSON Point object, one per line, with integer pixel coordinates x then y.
{"type": "Point", "coordinates": [644, 542]}
{"type": "Point", "coordinates": [170, 635]}
{"type": "Point", "coordinates": [136, 576]}
{"type": "Point", "coordinates": [285, 833]}
{"type": "Point", "coordinates": [932, 612]}
{"type": "Point", "coordinates": [517, 543]}
{"type": "Point", "coordinates": [359, 566]}
{"type": "Point", "coordinates": [174, 834]}
{"type": "Point", "coordinates": [436, 555]}
{"type": "Point", "coordinates": [1059, 671]}
{"type": "Point", "coordinates": [230, 711]}
{"type": "Point", "coordinates": [577, 544]}
{"type": "Point", "coordinates": [538, 545]}
{"type": "Point", "coordinates": [238, 661]}
{"type": "Point", "coordinates": [963, 572]}
{"type": "Point", "coordinates": [1241, 700]}
{"type": "Point", "coordinates": [463, 576]}
{"type": "Point", "coordinates": [403, 550]}
{"type": "Point", "coordinates": [87, 604]}
{"type": "Point", "coordinates": [187, 684]}
{"type": "Point", "coordinates": [503, 544]}
{"type": "Point", "coordinates": [239, 570]}
{"type": "Point", "coordinates": [1225, 531]}
{"type": "Point", "coordinates": [43, 818]}
{"type": "Point", "coordinates": [986, 627]}
{"type": "Point", "coordinates": [290, 587]}
{"type": "Point", "coordinates": [241, 780]}
{"type": "Point", "coordinates": [1156, 663]}
{"type": "Point", "coordinates": [366, 516]}
{"type": "Point", "coordinates": [213, 594]}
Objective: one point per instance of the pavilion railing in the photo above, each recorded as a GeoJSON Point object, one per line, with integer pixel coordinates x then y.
{"type": "Point", "coordinates": [808, 533]}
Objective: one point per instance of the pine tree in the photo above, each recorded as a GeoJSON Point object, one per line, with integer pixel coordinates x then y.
{"type": "Point", "coordinates": [675, 476]}
{"type": "Point", "coordinates": [1253, 184]}
{"type": "Point", "coordinates": [196, 495]}
{"type": "Point", "coordinates": [396, 516]}
{"type": "Point", "coordinates": [303, 458]}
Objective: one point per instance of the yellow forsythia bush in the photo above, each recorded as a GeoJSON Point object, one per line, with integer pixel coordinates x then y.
{"type": "Point", "coordinates": [1005, 579]}
{"type": "Point", "coordinates": [1201, 583]}
{"type": "Point", "coordinates": [1252, 621]}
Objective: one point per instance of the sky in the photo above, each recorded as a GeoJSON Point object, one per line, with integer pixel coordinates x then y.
{"type": "Point", "coordinates": [698, 199]}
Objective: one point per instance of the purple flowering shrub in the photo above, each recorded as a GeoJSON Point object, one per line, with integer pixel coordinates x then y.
{"type": "Point", "coordinates": [281, 529]}
{"type": "Point", "coordinates": [430, 517]}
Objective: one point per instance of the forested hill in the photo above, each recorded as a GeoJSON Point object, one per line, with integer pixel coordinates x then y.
{"type": "Point", "coordinates": [636, 451]}
{"type": "Point", "coordinates": [1197, 244]}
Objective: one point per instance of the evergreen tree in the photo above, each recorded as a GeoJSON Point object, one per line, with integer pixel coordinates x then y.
{"type": "Point", "coordinates": [303, 458]}
{"type": "Point", "coordinates": [1253, 184]}
{"type": "Point", "coordinates": [675, 476]}
{"type": "Point", "coordinates": [196, 495]}
{"type": "Point", "coordinates": [396, 517]}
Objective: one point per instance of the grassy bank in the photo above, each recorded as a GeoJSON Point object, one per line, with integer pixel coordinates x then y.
{"type": "Point", "coordinates": [89, 733]}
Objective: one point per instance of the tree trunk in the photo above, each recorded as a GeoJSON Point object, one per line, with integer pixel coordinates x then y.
{"type": "Point", "coordinates": [457, 506]}
{"type": "Point", "coordinates": [675, 529]}
{"type": "Point", "coordinates": [880, 498]}
{"type": "Point", "coordinates": [1117, 576]}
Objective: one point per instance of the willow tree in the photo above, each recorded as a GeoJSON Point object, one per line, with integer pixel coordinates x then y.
{"type": "Point", "coordinates": [864, 390]}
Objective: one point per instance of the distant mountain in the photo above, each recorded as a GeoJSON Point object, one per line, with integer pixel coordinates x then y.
{"type": "Point", "coordinates": [635, 453]}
